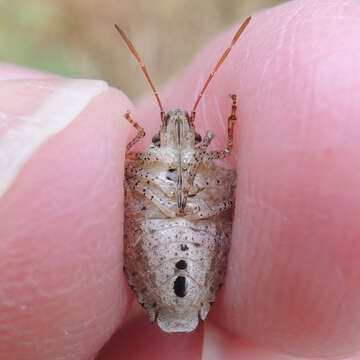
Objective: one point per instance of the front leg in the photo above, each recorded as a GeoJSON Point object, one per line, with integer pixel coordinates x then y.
{"type": "Point", "coordinates": [220, 154]}
{"type": "Point", "coordinates": [193, 166]}
{"type": "Point", "coordinates": [197, 159]}
{"type": "Point", "coordinates": [142, 156]}
{"type": "Point", "coordinates": [140, 131]}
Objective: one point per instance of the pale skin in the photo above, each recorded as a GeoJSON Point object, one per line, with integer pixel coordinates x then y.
{"type": "Point", "coordinates": [293, 277]}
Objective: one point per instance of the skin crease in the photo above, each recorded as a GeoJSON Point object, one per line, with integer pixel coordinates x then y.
{"type": "Point", "coordinates": [293, 279]}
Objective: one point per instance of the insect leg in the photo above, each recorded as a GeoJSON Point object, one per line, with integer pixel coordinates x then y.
{"type": "Point", "coordinates": [167, 206]}
{"type": "Point", "coordinates": [201, 210]}
{"type": "Point", "coordinates": [197, 159]}
{"type": "Point", "coordinates": [220, 154]}
{"type": "Point", "coordinates": [140, 131]}
{"type": "Point", "coordinates": [146, 177]}
{"type": "Point", "coordinates": [194, 164]}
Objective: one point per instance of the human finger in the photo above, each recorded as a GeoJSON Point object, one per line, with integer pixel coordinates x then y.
{"type": "Point", "coordinates": [62, 290]}
{"type": "Point", "coordinates": [294, 263]}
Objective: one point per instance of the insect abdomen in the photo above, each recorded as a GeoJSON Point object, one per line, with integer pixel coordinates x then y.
{"type": "Point", "coordinates": [175, 267]}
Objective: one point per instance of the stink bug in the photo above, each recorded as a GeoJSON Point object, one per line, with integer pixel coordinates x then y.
{"type": "Point", "coordinates": [178, 214]}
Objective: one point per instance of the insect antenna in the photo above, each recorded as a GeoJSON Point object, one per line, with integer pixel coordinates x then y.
{"type": "Point", "coordinates": [143, 68]}
{"type": "Point", "coordinates": [219, 63]}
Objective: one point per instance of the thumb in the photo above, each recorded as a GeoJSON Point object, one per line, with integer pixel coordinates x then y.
{"type": "Point", "coordinates": [61, 169]}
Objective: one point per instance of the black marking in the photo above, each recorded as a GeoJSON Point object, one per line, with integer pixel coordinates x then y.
{"type": "Point", "coordinates": [181, 265]}
{"type": "Point", "coordinates": [197, 138]}
{"type": "Point", "coordinates": [156, 139]}
{"type": "Point", "coordinates": [180, 286]}
{"type": "Point", "coordinates": [184, 247]}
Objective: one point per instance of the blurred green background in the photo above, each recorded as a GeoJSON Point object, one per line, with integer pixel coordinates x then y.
{"type": "Point", "coordinates": [76, 38]}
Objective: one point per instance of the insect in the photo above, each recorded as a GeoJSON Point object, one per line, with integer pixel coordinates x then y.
{"type": "Point", "coordinates": [178, 214]}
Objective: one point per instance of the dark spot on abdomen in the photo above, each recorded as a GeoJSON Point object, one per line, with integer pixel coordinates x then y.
{"type": "Point", "coordinates": [181, 265]}
{"type": "Point", "coordinates": [180, 286]}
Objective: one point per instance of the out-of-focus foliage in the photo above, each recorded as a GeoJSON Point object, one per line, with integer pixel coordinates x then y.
{"type": "Point", "coordinates": [76, 38]}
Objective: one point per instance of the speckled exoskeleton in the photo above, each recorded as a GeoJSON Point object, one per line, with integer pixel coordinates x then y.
{"type": "Point", "coordinates": [178, 215]}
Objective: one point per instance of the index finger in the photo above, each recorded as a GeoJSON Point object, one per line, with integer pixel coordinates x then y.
{"type": "Point", "coordinates": [294, 263]}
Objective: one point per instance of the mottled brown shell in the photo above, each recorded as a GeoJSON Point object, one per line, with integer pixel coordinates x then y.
{"type": "Point", "coordinates": [176, 246]}
{"type": "Point", "coordinates": [178, 207]}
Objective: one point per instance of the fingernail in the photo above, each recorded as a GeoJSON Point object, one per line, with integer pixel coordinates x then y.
{"type": "Point", "coordinates": [21, 133]}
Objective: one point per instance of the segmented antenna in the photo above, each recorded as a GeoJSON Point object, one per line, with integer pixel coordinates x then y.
{"type": "Point", "coordinates": [219, 63]}
{"type": "Point", "coordinates": [143, 68]}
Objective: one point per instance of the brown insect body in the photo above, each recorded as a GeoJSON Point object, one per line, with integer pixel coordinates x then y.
{"type": "Point", "coordinates": [178, 205]}
{"type": "Point", "coordinates": [175, 256]}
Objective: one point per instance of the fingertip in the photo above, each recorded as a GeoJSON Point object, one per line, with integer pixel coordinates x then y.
{"type": "Point", "coordinates": [62, 214]}
{"type": "Point", "coordinates": [140, 339]}
{"type": "Point", "coordinates": [295, 72]}
{"type": "Point", "coordinates": [288, 273]}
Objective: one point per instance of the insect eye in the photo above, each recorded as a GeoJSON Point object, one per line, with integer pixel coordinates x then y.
{"type": "Point", "coordinates": [197, 138]}
{"type": "Point", "coordinates": [156, 139]}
